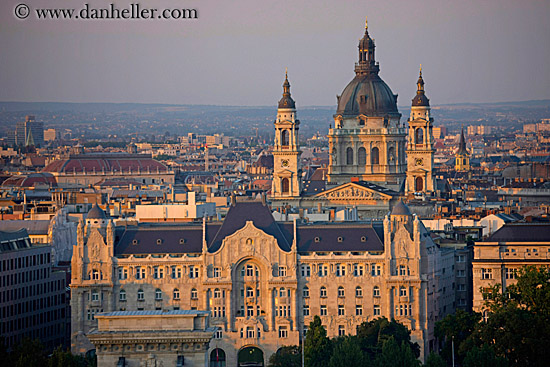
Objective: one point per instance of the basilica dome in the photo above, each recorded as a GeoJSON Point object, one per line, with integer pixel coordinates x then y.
{"type": "Point", "coordinates": [367, 93]}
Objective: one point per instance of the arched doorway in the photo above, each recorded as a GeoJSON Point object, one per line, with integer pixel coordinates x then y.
{"type": "Point", "coordinates": [419, 184]}
{"type": "Point", "coordinates": [285, 185]}
{"type": "Point", "coordinates": [217, 358]}
{"type": "Point", "coordinates": [251, 357]}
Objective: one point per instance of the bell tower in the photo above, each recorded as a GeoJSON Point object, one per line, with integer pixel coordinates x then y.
{"type": "Point", "coordinates": [420, 151]}
{"type": "Point", "coordinates": [462, 163]}
{"type": "Point", "coordinates": [287, 173]}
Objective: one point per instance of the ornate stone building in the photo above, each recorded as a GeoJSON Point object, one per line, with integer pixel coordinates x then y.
{"type": "Point", "coordinates": [462, 162]}
{"type": "Point", "coordinates": [287, 173]}
{"type": "Point", "coordinates": [420, 147]}
{"type": "Point", "coordinates": [368, 139]}
{"type": "Point", "coordinates": [262, 281]}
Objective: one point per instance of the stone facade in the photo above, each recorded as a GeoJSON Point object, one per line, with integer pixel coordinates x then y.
{"type": "Point", "coordinates": [152, 338]}
{"type": "Point", "coordinates": [261, 280]}
{"type": "Point", "coordinates": [498, 258]}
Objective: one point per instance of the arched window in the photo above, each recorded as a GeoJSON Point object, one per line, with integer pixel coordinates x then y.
{"type": "Point", "coordinates": [285, 134]}
{"type": "Point", "coordinates": [122, 295]}
{"type": "Point", "coordinates": [158, 295]}
{"type": "Point", "coordinates": [194, 294]}
{"type": "Point", "coordinates": [376, 291]}
{"type": "Point", "coordinates": [176, 293]}
{"type": "Point", "coordinates": [361, 156]}
{"type": "Point", "coordinates": [358, 292]}
{"type": "Point", "coordinates": [349, 156]}
{"type": "Point", "coordinates": [282, 292]}
{"type": "Point", "coordinates": [140, 295]}
{"type": "Point", "coordinates": [217, 358]}
{"type": "Point", "coordinates": [419, 184]}
{"type": "Point", "coordinates": [419, 136]}
{"type": "Point", "coordinates": [391, 155]}
{"type": "Point", "coordinates": [323, 292]}
{"type": "Point", "coordinates": [285, 185]}
{"type": "Point", "coordinates": [374, 156]}
{"type": "Point", "coordinates": [306, 292]}
{"type": "Point", "coordinates": [217, 293]}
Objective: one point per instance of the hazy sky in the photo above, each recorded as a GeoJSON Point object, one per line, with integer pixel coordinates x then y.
{"type": "Point", "coordinates": [236, 52]}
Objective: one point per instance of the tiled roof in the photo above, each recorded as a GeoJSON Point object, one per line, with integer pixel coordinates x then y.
{"type": "Point", "coordinates": [521, 232]}
{"type": "Point", "coordinates": [340, 237]}
{"type": "Point", "coordinates": [160, 239]}
{"type": "Point", "coordinates": [107, 163]}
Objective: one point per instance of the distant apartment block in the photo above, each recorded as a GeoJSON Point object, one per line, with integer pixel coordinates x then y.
{"type": "Point", "coordinates": [29, 132]}
{"type": "Point", "coordinates": [439, 132]}
{"type": "Point", "coordinates": [542, 126]}
{"type": "Point", "coordinates": [479, 130]}
{"type": "Point", "coordinates": [32, 296]}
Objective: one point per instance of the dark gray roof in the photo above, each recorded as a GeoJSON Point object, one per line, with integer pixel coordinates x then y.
{"type": "Point", "coordinates": [401, 209]}
{"type": "Point", "coordinates": [354, 237]}
{"type": "Point", "coordinates": [96, 213]}
{"type": "Point", "coordinates": [160, 239]}
{"type": "Point", "coordinates": [33, 227]}
{"type": "Point", "coordinates": [521, 232]}
{"type": "Point", "coordinates": [254, 211]}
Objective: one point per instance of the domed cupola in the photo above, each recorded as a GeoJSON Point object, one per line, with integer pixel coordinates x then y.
{"type": "Point", "coordinates": [286, 101]}
{"type": "Point", "coordinates": [420, 100]}
{"type": "Point", "coordinates": [367, 94]}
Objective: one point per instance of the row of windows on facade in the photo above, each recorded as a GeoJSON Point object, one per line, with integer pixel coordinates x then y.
{"type": "Point", "coordinates": [176, 272]}
{"type": "Point", "coordinates": [24, 262]}
{"type": "Point", "coordinates": [51, 336]}
{"type": "Point", "coordinates": [362, 156]}
{"type": "Point", "coordinates": [21, 323]}
{"type": "Point", "coordinates": [28, 290]}
{"type": "Point", "coordinates": [509, 273]}
{"type": "Point", "coordinates": [32, 305]}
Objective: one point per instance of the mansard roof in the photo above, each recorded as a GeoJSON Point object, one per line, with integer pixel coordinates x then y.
{"type": "Point", "coordinates": [521, 232]}
{"type": "Point", "coordinates": [341, 237]}
{"type": "Point", "coordinates": [254, 211]}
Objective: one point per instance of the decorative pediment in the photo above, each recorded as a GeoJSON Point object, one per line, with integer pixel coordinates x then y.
{"type": "Point", "coordinates": [285, 173]}
{"type": "Point", "coordinates": [353, 191]}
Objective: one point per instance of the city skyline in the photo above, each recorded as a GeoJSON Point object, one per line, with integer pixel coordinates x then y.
{"type": "Point", "coordinates": [235, 53]}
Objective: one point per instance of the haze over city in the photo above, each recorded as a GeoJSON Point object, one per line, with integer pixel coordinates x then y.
{"type": "Point", "coordinates": [235, 53]}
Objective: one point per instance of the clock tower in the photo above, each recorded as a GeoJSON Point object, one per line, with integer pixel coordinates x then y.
{"type": "Point", "coordinates": [420, 151]}
{"type": "Point", "coordinates": [287, 173]}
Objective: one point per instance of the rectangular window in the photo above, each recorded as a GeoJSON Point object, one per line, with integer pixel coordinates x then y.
{"type": "Point", "coordinates": [462, 287]}
{"type": "Point", "coordinates": [341, 310]}
{"type": "Point", "coordinates": [219, 334]}
{"type": "Point", "coordinates": [122, 273]}
{"type": "Point", "coordinates": [282, 271]}
{"type": "Point", "coordinates": [376, 310]}
{"type": "Point", "coordinates": [486, 273]}
{"type": "Point", "coordinates": [323, 270]}
{"type": "Point", "coordinates": [323, 310]}
{"type": "Point", "coordinates": [306, 271]}
{"type": "Point", "coordinates": [95, 296]}
{"type": "Point", "coordinates": [249, 332]}
{"type": "Point", "coordinates": [249, 311]}
{"type": "Point", "coordinates": [358, 310]}
{"type": "Point", "coordinates": [283, 332]}
{"type": "Point", "coordinates": [217, 272]}
{"type": "Point", "coordinates": [461, 273]}
{"type": "Point", "coordinates": [461, 258]}
{"type": "Point", "coordinates": [158, 272]}
{"type": "Point", "coordinates": [193, 272]}
{"type": "Point", "coordinates": [510, 273]}
{"type": "Point", "coordinates": [176, 272]}
{"type": "Point", "coordinates": [140, 272]}
{"type": "Point", "coordinates": [376, 270]}
{"type": "Point", "coordinates": [306, 310]}
{"type": "Point", "coordinates": [357, 270]}
{"type": "Point", "coordinates": [340, 270]}
{"type": "Point", "coordinates": [341, 330]}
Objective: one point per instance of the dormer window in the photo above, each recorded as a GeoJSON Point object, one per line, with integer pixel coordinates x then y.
{"type": "Point", "coordinates": [317, 239]}
{"type": "Point", "coordinates": [340, 239]}
{"type": "Point", "coordinates": [363, 239]}
{"type": "Point", "coordinates": [159, 241]}
{"type": "Point", "coordinates": [182, 241]}
{"type": "Point", "coordinates": [134, 242]}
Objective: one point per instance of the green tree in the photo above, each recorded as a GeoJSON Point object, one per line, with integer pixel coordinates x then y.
{"type": "Point", "coordinates": [395, 355]}
{"type": "Point", "coordinates": [483, 357]}
{"type": "Point", "coordinates": [347, 352]}
{"type": "Point", "coordinates": [287, 356]}
{"type": "Point", "coordinates": [317, 349]}
{"type": "Point", "coordinates": [373, 335]}
{"type": "Point", "coordinates": [518, 319]}
{"type": "Point", "coordinates": [458, 326]}
{"type": "Point", "coordinates": [435, 360]}
{"type": "Point", "coordinates": [28, 353]}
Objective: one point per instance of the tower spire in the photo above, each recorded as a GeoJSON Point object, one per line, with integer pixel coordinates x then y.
{"type": "Point", "coordinates": [286, 101]}
{"type": "Point", "coordinates": [366, 24]}
{"type": "Point", "coordinates": [420, 99]}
